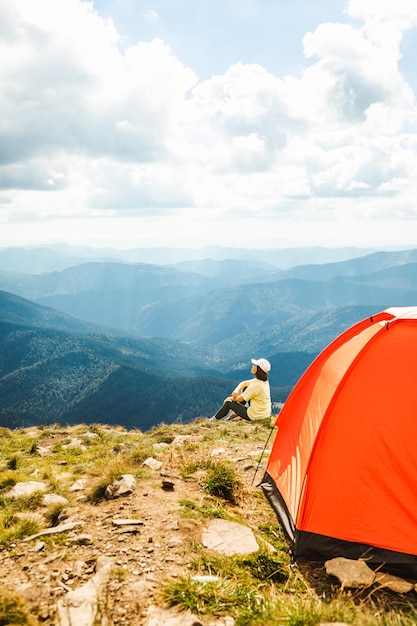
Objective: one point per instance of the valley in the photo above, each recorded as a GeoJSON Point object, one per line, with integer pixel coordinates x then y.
{"type": "Point", "coordinates": [138, 344]}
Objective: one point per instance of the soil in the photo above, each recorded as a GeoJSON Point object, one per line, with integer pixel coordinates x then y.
{"type": "Point", "coordinates": [145, 555]}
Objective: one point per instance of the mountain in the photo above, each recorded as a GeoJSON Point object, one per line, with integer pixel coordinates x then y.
{"type": "Point", "coordinates": [52, 375]}
{"type": "Point", "coordinates": [308, 334]}
{"type": "Point", "coordinates": [208, 301]}
{"type": "Point", "coordinates": [49, 376]}
{"type": "Point", "coordinates": [366, 265]}
{"type": "Point", "coordinates": [53, 371]}
{"type": "Point", "coordinates": [113, 293]}
{"type": "Point", "coordinates": [256, 308]}
{"type": "Point", "coordinates": [19, 310]}
{"type": "Point", "coordinates": [59, 256]}
{"type": "Point", "coordinates": [140, 344]}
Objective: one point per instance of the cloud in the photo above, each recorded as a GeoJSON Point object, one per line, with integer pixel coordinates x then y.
{"type": "Point", "coordinates": [91, 128]}
{"type": "Point", "coordinates": [67, 87]}
{"type": "Point", "coordinates": [140, 189]}
{"type": "Point", "coordinates": [27, 175]}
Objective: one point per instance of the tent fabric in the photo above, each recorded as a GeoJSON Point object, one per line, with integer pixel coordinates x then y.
{"type": "Point", "coordinates": [342, 474]}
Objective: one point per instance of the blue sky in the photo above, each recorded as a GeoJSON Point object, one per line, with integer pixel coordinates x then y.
{"type": "Point", "coordinates": [210, 36]}
{"type": "Point", "coordinates": [251, 123]}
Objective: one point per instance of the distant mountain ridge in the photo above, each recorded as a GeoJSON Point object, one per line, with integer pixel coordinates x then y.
{"type": "Point", "coordinates": [222, 299]}
{"type": "Point", "coordinates": [138, 343]}
{"type": "Point", "coordinates": [59, 256]}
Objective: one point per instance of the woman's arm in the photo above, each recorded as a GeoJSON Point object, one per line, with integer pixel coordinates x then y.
{"type": "Point", "coordinates": [236, 394]}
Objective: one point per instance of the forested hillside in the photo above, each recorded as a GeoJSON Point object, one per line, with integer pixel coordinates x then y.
{"type": "Point", "coordinates": [158, 344]}
{"type": "Point", "coordinates": [49, 376]}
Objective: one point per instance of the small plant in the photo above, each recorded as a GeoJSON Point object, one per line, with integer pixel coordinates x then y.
{"type": "Point", "coordinates": [141, 453]}
{"type": "Point", "coordinates": [120, 574]}
{"type": "Point", "coordinates": [54, 514]}
{"type": "Point", "coordinates": [275, 536]}
{"type": "Point", "coordinates": [13, 610]}
{"type": "Point", "coordinates": [30, 502]}
{"type": "Point", "coordinates": [304, 613]}
{"type": "Point", "coordinates": [113, 471]}
{"type": "Point", "coordinates": [8, 478]}
{"type": "Point", "coordinates": [13, 527]}
{"type": "Point", "coordinates": [216, 511]}
{"type": "Point", "coordinates": [98, 491]}
{"type": "Point", "coordinates": [213, 597]}
{"type": "Point", "coordinates": [222, 481]}
{"type": "Point", "coordinates": [12, 463]}
{"type": "Point", "coordinates": [260, 565]}
{"type": "Point", "coordinates": [190, 467]}
{"type": "Point", "coordinates": [33, 448]}
{"type": "Point", "coordinates": [265, 566]}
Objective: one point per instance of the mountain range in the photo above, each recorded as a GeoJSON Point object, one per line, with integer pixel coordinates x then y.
{"type": "Point", "coordinates": [138, 343]}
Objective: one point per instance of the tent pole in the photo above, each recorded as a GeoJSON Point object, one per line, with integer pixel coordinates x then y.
{"type": "Point", "coordinates": [263, 452]}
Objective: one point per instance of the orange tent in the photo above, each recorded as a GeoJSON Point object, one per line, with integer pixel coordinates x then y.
{"type": "Point", "coordinates": [342, 474]}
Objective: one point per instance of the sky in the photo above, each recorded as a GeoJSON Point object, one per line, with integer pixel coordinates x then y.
{"type": "Point", "coordinates": [245, 123]}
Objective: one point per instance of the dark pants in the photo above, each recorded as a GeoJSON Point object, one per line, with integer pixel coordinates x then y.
{"type": "Point", "coordinates": [230, 405]}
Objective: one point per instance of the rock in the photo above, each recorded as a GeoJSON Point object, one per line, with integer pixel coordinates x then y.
{"type": "Point", "coordinates": [399, 585]}
{"type": "Point", "coordinates": [44, 450]}
{"type": "Point", "coordinates": [229, 538]}
{"type": "Point", "coordinates": [123, 486]}
{"type": "Point", "coordinates": [172, 525]}
{"type": "Point", "coordinates": [153, 463]}
{"type": "Point", "coordinates": [127, 529]}
{"type": "Point", "coordinates": [62, 528]}
{"type": "Point", "coordinates": [51, 499]}
{"type": "Point", "coordinates": [81, 606]}
{"type": "Point", "coordinates": [161, 446]}
{"type": "Point", "coordinates": [168, 485]}
{"type": "Point", "coordinates": [75, 443]}
{"type": "Point", "coordinates": [83, 540]}
{"type": "Point", "coordinates": [79, 485]}
{"type": "Point", "coordinates": [21, 490]}
{"type": "Point", "coordinates": [351, 573]}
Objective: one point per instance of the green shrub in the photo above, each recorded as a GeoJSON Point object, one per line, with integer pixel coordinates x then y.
{"type": "Point", "coordinates": [222, 481]}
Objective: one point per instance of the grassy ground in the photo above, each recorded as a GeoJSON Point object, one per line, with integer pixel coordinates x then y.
{"type": "Point", "coordinates": [213, 468]}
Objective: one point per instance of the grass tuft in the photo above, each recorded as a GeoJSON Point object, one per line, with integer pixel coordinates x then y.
{"type": "Point", "coordinates": [222, 481]}
{"type": "Point", "coordinates": [213, 597]}
{"type": "Point", "coordinates": [13, 527]}
{"type": "Point", "coordinates": [13, 610]}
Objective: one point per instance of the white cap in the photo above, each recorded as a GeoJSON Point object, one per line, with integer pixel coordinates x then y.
{"type": "Point", "coordinates": [262, 363]}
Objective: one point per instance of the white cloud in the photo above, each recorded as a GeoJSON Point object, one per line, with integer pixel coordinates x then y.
{"type": "Point", "coordinates": [88, 129]}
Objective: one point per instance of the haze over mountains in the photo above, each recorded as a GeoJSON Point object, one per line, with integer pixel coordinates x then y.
{"type": "Point", "coordinates": [139, 343]}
